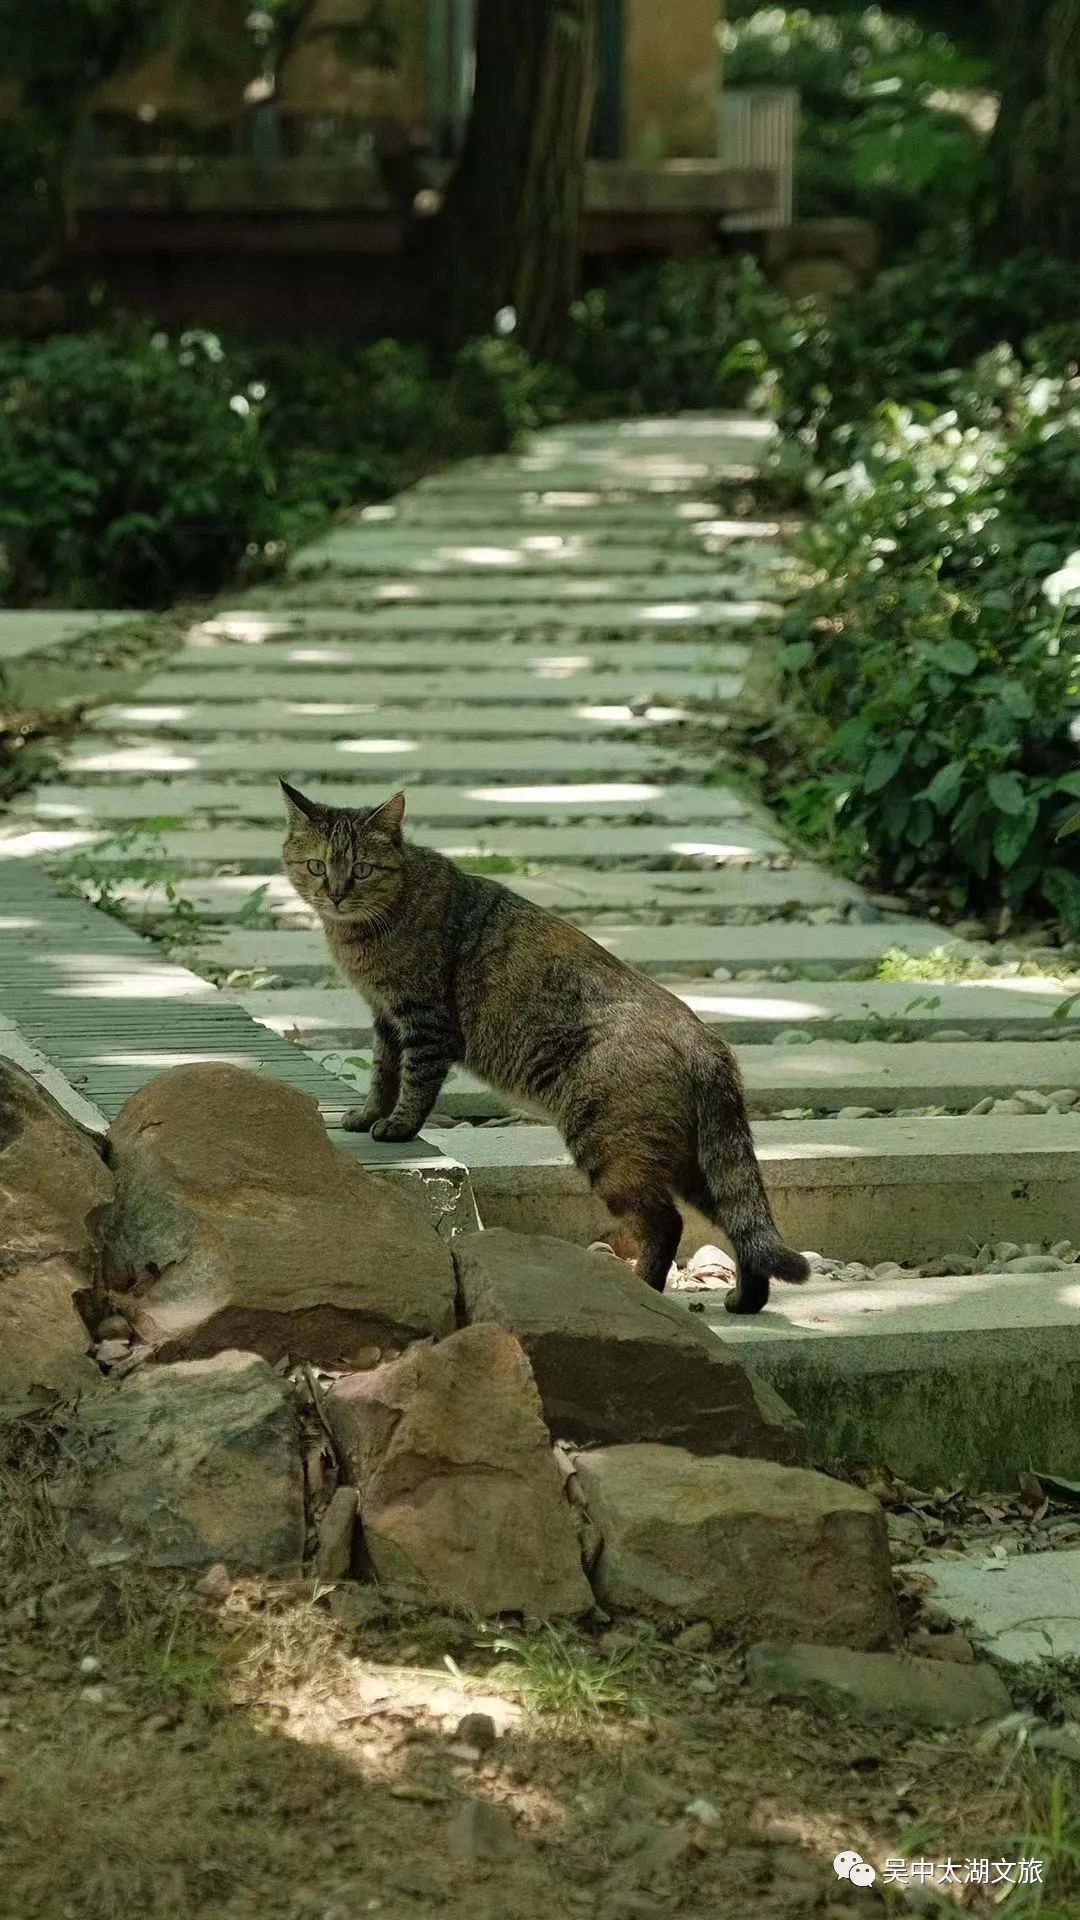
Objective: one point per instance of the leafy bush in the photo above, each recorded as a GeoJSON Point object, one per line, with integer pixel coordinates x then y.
{"type": "Point", "coordinates": [135, 469]}
{"type": "Point", "coordinates": [690, 333]}
{"type": "Point", "coordinates": [883, 133]}
{"type": "Point", "coordinates": [936, 674]}
{"type": "Point", "coordinates": [907, 335]}
{"type": "Point", "coordinates": [129, 469]}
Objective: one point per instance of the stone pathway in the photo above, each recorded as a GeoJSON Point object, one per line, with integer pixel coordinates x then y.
{"type": "Point", "coordinates": [517, 641]}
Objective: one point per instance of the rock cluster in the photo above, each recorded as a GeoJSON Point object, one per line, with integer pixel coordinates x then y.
{"type": "Point", "coordinates": [232, 1263]}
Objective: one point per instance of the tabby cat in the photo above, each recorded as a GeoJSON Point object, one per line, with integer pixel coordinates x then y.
{"type": "Point", "coordinates": [459, 970]}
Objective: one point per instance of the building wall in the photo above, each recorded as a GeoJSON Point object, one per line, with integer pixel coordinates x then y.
{"type": "Point", "coordinates": [671, 79]}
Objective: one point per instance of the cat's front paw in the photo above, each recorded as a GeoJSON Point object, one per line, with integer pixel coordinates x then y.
{"type": "Point", "coordinates": [361, 1120]}
{"type": "Point", "coordinates": [391, 1129]}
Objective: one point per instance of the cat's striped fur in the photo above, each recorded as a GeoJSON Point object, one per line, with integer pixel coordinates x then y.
{"type": "Point", "coordinates": [459, 970]}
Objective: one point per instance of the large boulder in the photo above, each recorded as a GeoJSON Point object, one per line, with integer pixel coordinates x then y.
{"type": "Point", "coordinates": [189, 1466]}
{"type": "Point", "coordinates": [238, 1224]}
{"type": "Point", "coordinates": [755, 1548]}
{"type": "Point", "coordinates": [55, 1193]}
{"type": "Point", "coordinates": [886, 1686]}
{"type": "Point", "coordinates": [461, 1500]}
{"type": "Point", "coordinates": [615, 1362]}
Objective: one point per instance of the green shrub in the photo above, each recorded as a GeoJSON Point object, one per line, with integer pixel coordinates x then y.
{"type": "Point", "coordinates": [882, 134]}
{"type": "Point", "coordinates": [936, 675]}
{"type": "Point", "coordinates": [691, 333]}
{"type": "Point", "coordinates": [135, 469]}
{"type": "Point", "coordinates": [131, 470]}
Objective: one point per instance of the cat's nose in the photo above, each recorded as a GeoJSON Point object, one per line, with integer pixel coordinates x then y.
{"type": "Point", "coordinates": [337, 895]}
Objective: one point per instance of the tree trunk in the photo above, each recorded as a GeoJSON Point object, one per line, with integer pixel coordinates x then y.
{"type": "Point", "coordinates": [508, 232]}
{"type": "Point", "coordinates": [1036, 145]}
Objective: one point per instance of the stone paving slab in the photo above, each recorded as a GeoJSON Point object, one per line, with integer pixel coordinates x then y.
{"type": "Point", "coordinates": [832, 1075]}
{"type": "Point", "coordinates": [357, 550]}
{"type": "Point", "coordinates": [963, 1380]}
{"type": "Point", "coordinates": [577, 891]}
{"type": "Point", "coordinates": [365, 753]}
{"type": "Point", "coordinates": [429, 803]}
{"type": "Point", "coordinates": [750, 1014]}
{"type": "Point", "coordinates": [841, 1073]}
{"type": "Point", "coordinates": [197, 848]}
{"type": "Point", "coordinates": [318, 652]}
{"type": "Point", "coordinates": [571, 688]}
{"type": "Point", "coordinates": [301, 955]}
{"type": "Point", "coordinates": [1024, 1608]}
{"type": "Point", "coordinates": [296, 717]}
{"type": "Point", "coordinates": [890, 1189]}
{"type": "Point", "coordinates": [758, 1013]}
{"type": "Point", "coordinates": [37, 631]}
{"type": "Point", "coordinates": [657, 616]}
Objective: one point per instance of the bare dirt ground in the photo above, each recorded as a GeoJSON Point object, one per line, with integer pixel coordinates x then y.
{"type": "Point", "coordinates": [203, 1750]}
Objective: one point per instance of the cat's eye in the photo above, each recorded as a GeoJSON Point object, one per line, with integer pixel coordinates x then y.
{"type": "Point", "coordinates": [362, 871]}
{"type": "Point", "coordinates": [317, 867]}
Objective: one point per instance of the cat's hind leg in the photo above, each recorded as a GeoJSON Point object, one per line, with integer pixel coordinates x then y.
{"type": "Point", "coordinates": [629, 1191]}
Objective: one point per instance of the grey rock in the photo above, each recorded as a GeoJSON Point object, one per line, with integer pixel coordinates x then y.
{"type": "Point", "coordinates": [480, 1833]}
{"type": "Point", "coordinates": [890, 1686]}
{"type": "Point", "coordinates": [241, 1225]}
{"type": "Point", "coordinates": [55, 1194]}
{"type": "Point", "coordinates": [189, 1466]}
{"type": "Point", "coordinates": [333, 1558]}
{"type": "Point", "coordinates": [461, 1500]}
{"type": "Point", "coordinates": [614, 1361]}
{"type": "Point", "coordinates": [740, 1543]}
{"type": "Point", "coordinates": [1034, 1263]}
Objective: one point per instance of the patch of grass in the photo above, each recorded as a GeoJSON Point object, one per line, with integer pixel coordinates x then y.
{"type": "Point", "coordinates": [139, 859]}
{"type": "Point", "coordinates": [944, 966]}
{"type": "Point", "coordinates": [492, 863]}
{"type": "Point", "coordinates": [561, 1676]}
{"type": "Point", "coordinates": [1051, 1834]}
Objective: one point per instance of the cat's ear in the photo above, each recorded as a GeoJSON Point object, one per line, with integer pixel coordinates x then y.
{"type": "Point", "coordinates": [299, 804]}
{"type": "Point", "coordinates": [389, 816]}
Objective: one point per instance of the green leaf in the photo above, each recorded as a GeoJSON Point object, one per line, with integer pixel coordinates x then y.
{"type": "Point", "coordinates": [797, 656]}
{"type": "Point", "coordinates": [956, 656]}
{"type": "Point", "coordinates": [1006, 793]}
{"type": "Point", "coordinates": [885, 763]}
{"type": "Point", "coordinates": [1013, 832]}
{"type": "Point", "coordinates": [1070, 784]}
{"type": "Point", "coordinates": [1062, 888]}
{"type": "Point", "coordinates": [946, 784]}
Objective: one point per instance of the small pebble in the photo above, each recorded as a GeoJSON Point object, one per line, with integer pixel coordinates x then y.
{"type": "Point", "coordinates": [1007, 1250]}
{"type": "Point", "coordinates": [1033, 1263]}
{"type": "Point", "coordinates": [1064, 1098]}
{"type": "Point", "coordinates": [983, 1106]}
{"type": "Point", "coordinates": [115, 1327]}
{"type": "Point", "coordinates": [215, 1583]}
{"type": "Point", "coordinates": [722, 973]}
{"type": "Point", "coordinates": [858, 1113]}
{"type": "Point", "coordinates": [89, 1663]}
{"type": "Point", "coordinates": [477, 1730]}
{"type": "Point", "coordinates": [952, 1036]}
{"type": "Point", "coordinates": [943, 1646]}
{"type": "Point", "coordinates": [1032, 1101]}
{"type": "Point", "coordinates": [1064, 1250]}
{"type": "Point", "coordinates": [885, 1269]}
{"type": "Point", "coordinates": [1008, 1106]}
{"type": "Point", "coordinates": [108, 1352]}
{"type": "Point", "coordinates": [793, 1037]}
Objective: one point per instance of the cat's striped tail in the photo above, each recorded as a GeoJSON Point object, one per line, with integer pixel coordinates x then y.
{"type": "Point", "coordinates": [734, 1193]}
